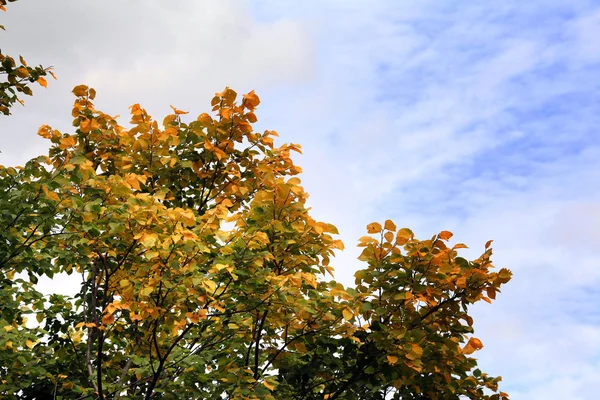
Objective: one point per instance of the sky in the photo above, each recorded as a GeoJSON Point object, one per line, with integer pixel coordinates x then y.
{"type": "Point", "coordinates": [476, 117]}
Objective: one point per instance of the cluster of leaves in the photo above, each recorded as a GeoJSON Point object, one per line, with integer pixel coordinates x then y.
{"type": "Point", "coordinates": [17, 76]}
{"type": "Point", "coordinates": [204, 275]}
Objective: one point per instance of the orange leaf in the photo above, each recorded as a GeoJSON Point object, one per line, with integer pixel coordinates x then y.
{"type": "Point", "coordinates": [392, 359]}
{"type": "Point", "coordinates": [445, 235]}
{"type": "Point", "coordinates": [178, 112]}
{"type": "Point", "coordinates": [459, 246]}
{"type": "Point", "coordinates": [473, 345]}
{"type": "Point", "coordinates": [66, 142]}
{"type": "Point", "coordinates": [42, 81]}
{"type": "Point", "coordinates": [108, 319]}
{"type": "Point", "coordinates": [251, 100]}
{"type": "Point", "coordinates": [374, 227]}
{"type": "Point", "coordinates": [488, 244]}
{"type": "Point", "coordinates": [80, 90]}
{"type": "Point", "coordinates": [461, 282]}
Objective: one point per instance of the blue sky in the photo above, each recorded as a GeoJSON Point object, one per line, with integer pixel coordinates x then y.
{"type": "Point", "coordinates": [476, 117]}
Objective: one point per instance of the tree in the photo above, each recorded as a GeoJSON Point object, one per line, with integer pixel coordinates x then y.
{"type": "Point", "coordinates": [204, 275]}
{"type": "Point", "coordinates": [18, 76]}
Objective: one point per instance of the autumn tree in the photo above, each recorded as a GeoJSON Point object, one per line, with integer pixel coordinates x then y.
{"type": "Point", "coordinates": [17, 76]}
{"type": "Point", "coordinates": [205, 277]}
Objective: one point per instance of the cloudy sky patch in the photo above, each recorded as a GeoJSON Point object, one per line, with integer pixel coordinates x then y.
{"type": "Point", "coordinates": [474, 117]}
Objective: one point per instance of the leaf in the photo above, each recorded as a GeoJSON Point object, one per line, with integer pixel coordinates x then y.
{"type": "Point", "coordinates": [149, 239]}
{"type": "Point", "coordinates": [488, 244]}
{"type": "Point", "coordinates": [67, 142]}
{"type": "Point", "coordinates": [178, 112]}
{"type": "Point", "coordinates": [389, 225]}
{"type": "Point", "coordinates": [80, 90]}
{"type": "Point", "coordinates": [472, 345]}
{"type": "Point", "coordinates": [403, 236]}
{"type": "Point", "coordinates": [459, 246]}
{"type": "Point", "coordinates": [42, 81]}
{"type": "Point", "coordinates": [268, 385]}
{"type": "Point", "coordinates": [445, 235]}
{"type": "Point", "coordinates": [389, 237]}
{"type": "Point", "coordinates": [374, 227]}
{"type": "Point", "coordinates": [347, 313]}
{"type": "Point", "coordinates": [392, 359]}
{"type": "Point", "coordinates": [108, 319]}
{"type": "Point", "coordinates": [251, 100]}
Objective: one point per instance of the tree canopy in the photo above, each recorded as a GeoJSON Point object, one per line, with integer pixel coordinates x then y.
{"type": "Point", "coordinates": [205, 277]}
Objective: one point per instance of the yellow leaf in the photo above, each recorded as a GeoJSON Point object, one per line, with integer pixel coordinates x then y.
{"type": "Point", "coordinates": [392, 359]}
{"type": "Point", "coordinates": [389, 225]}
{"type": "Point", "coordinates": [268, 385]}
{"type": "Point", "coordinates": [374, 227]}
{"type": "Point", "coordinates": [42, 81]}
{"type": "Point", "coordinates": [219, 267]}
{"type": "Point", "coordinates": [8, 328]}
{"type": "Point", "coordinates": [338, 244]}
{"type": "Point", "coordinates": [149, 239]}
{"type": "Point", "coordinates": [389, 236]}
{"type": "Point", "coordinates": [348, 314]}
{"type": "Point", "coordinates": [29, 343]}
{"type": "Point", "coordinates": [445, 235]}
{"type": "Point", "coordinates": [403, 236]}
{"type": "Point", "coordinates": [210, 285]}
